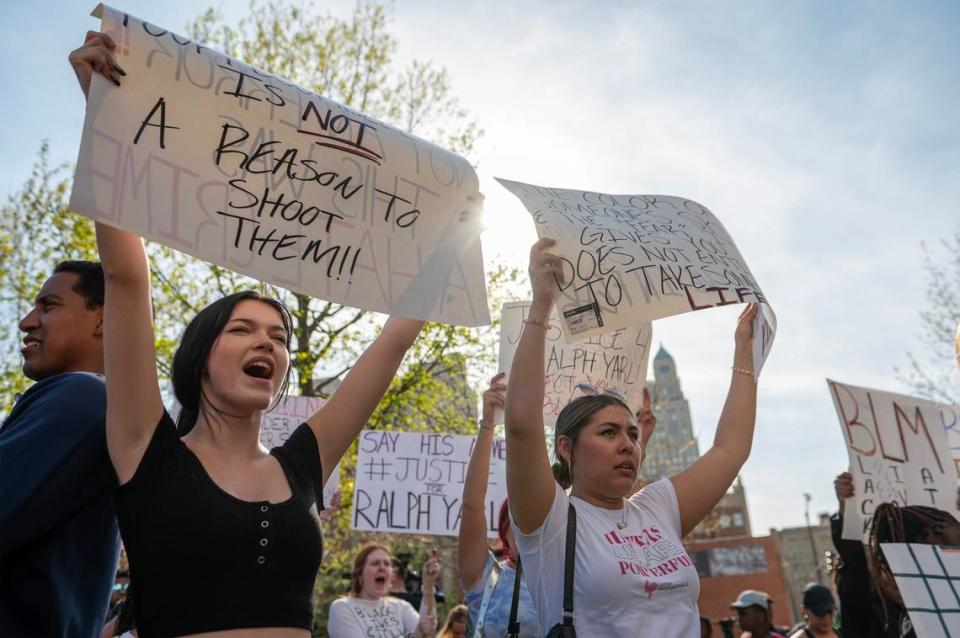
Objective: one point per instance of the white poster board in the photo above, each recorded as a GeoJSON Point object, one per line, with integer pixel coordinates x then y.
{"type": "Point", "coordinates": [928, 577]}
{"type": "Point", "coordinates": [630, 259]}
{"type": "Point", "coordinates": [950, 420]}
{"type": "Point", "coordinates": [614, 360]}
{"type": "Point", "coordinates": [412, 483]}
{"type": "Point", "coordinates": [241, 168]}
{"type": "Point", "coordinates": [279, 423]}
{"type": "Point", "coordinates": [898, 453]}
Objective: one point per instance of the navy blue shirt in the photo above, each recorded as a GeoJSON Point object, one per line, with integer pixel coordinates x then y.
{"type": "Point", "coordinates": [58, 531]}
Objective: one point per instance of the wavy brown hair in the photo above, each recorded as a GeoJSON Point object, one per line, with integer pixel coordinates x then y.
{"type": "Point", "coordinates": [359, 562]}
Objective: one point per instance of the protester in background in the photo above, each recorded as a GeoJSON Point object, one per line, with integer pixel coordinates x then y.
{"type": "Point", "coordinates": [369, 610]}
{"type": "Point", "coordinates": [818, 609]}
{"type": "Point", "coordinates": [398, 583]}
{"type": "Point", "coordinates": [478, 568]}
{"type": "Point", "coordinates": [863, 613]}
{"type": "Point", "coordinates": [58, 533]}
{"type": "Point", "coordinates": [455, 625]}
{"type": "Point", "coordinates": [206, 492]}
{"type": "Point", "coordinates": [618, 591]}
{"type": "Point", "coordinates": [754, 614]}
{"type": "Point", "coordinates": [909, 524]}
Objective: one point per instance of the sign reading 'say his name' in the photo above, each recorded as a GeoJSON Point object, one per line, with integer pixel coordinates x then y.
{"type": "Point", "coordinates": [898, 454]}
{"type": "Point", "coordinates": [412, 483]}
{"type": "Point", "coordinates": [236, 166]}
{"type": "Point", "coordinates": [630, 259]}
{"type": "Point", "coordinates": [612, 361]}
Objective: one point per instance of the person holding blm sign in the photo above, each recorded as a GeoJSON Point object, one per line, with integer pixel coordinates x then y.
{"type": "Point", "coordinates": [630, 574]}
{"type": "Point", "coordinates": [489, 585]}
{"type": "Point", "coordinates": [369, 611]}
{"type": "Point", "coordinates": [222, 535]}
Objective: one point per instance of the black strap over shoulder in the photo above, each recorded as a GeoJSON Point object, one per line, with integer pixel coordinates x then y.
{"type": "Point", "coordinates": [569, 556]}
{"type": "Point", "coordinates": [513, 628]}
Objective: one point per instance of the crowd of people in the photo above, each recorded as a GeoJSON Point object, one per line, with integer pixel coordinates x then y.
{"type": "Point", "coordinates": [90, 455]}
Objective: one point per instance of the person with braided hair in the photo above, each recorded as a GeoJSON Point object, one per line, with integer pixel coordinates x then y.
{"type": "Point", "coordinates": [910, 524]}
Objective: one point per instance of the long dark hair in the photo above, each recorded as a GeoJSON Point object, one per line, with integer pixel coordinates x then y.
{"type": "Point", "coordinates": [190, 360]}
{"type": "Point", "coordinates": [572, 419]}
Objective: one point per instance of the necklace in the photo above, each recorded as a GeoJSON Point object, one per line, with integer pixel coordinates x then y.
{"type": "Point", "coordinates": [622, 523]}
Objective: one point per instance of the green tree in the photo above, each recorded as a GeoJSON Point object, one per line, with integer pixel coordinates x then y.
{"type": "Point", "coordinates": [352, 60]}
{"type": "Point", "coordinates": [934, 373]}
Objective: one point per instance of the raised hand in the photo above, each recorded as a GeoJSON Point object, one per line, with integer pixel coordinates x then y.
{"type": "Point", "coordinates": [494, 397]}
{"type": "Point", "coordinates": [429, 572]}
{"type": "Point", "coordinates": [744, 333]}
{"type": "Point", "coordinates": [843, 486]}
{"type": "Point", "coordinates": [646, 419]}
{"type": "Point", "coordinates": [96, 55]}
{"type": "Point", "coordinates": [546, 270]}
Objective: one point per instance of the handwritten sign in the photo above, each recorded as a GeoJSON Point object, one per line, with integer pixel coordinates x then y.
{"type": "Point", "coordinates": [898, 454]}
{"type": "Point", "coordinates": [612, 361]}
{"type": "Point", "coordinates": [278, 424]}
{"type": "Point", "coordinates": [949, 418]}
{"type": "Point", "coordinates": [928, 577]}
{"type": "Point", "coordinates": [412, 483]}
{"type": "Point", "coordinates": [236, 166]}
{"type": "Point", "coordinates": [630, 259]}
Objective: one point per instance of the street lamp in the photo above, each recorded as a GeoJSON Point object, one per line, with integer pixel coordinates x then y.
{"type": "Point", "coordinates": [813, 546]}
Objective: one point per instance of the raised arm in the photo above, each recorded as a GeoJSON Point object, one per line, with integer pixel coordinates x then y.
{"type": "Point", "coordinates": [427, 625]}
{"type": "Point", "coordinates": [340, 420]}
{"type": "Point", "coordinates": [701, 486]}
{"type": "Point", "coordinates": [530, 483]}
{"type": "Point", "coordinates": [134, 404]}
{"type": "Point", "coordinates": [472, 548]}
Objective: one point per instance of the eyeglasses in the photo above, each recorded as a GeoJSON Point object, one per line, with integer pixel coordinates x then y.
{"type": "Point", "coordinates": [594, 391]}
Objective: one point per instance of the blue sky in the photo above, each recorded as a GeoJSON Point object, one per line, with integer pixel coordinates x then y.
{"type": "Point", "coordinates": [825, 136]}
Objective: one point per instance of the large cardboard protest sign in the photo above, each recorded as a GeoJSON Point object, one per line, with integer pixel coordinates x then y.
{"type": "Point", "coordinates": [279, 422]}
{"type": "Point", "coordinates": [928, 577]}
{"type": "Point", "coordinates": [236, 166]}
{"type": "Point", "coordinates": [630, 259]}
{"type": "Point", "coordinates": [412, 483]}
{"type": "Point", "coordinates": [898, 454]}
{"type": "Point", "coordinates": [612, 361]}
{"type": "Point", "coordinates": [949, 418]}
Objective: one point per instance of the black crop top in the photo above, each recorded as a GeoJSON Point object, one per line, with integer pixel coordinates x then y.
{"type": "Point", "coordinates": [203, 560]}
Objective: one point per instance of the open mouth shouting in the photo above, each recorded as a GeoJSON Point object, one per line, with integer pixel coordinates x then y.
{"type": "Point", "coordinates": [259, 369]}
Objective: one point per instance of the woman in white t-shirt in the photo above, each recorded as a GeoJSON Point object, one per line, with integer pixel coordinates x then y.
{"type": "Point", "coordinates": [632, 574]}
{"type": "Point", "coordinates": [370, 612]}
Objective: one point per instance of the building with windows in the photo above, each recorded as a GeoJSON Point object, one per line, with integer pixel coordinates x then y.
{"type": "Point", "coordinates": [673, 445]}
{"type": "Point", "coordinates": [804, 551]}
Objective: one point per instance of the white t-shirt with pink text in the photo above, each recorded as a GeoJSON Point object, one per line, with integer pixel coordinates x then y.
{"type": "Point", "coordinates": [636, 581]}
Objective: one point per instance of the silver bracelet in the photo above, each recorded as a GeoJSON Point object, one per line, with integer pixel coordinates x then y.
{"type": "Point", "coordinates": [542, 324]}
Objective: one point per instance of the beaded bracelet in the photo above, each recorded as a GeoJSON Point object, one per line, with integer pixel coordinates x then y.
{"type": "Point", "coordinates": [742, 371]}
{"type": "Point", "coordinates": [542, 324]}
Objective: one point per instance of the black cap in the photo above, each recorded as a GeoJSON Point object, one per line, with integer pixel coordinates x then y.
{"type": "Point", "coordinates": [818, 599]}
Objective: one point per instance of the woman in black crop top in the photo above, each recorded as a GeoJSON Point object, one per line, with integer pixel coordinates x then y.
{"type": "Point", "coordinates": [222, 535]}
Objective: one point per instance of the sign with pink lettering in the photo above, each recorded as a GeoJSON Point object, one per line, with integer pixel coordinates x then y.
{"type": "Point", "coordinates": [630, 259]}
{"type": "Point", "coordinates": [412, 483]}
{"type": "Point", "coordinates": [236, 166]}
{"type": "Point", "coordinates": [614, 361]}
{"type": "Point", "coordinates": [898, 453]}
